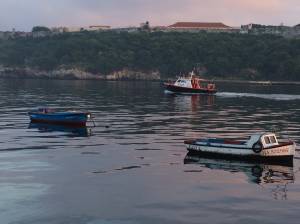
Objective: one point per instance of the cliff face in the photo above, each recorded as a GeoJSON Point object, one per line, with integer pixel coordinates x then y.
{"type": "Point", "coordinates": [23, 73]}
{"type": "Point", "coordinates": [133, 75]}
{"type": "Point", "coordinates": [75, 73]}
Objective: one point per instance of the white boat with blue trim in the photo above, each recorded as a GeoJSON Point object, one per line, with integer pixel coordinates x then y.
{"type": "Point", "coordinates": [262, 146]}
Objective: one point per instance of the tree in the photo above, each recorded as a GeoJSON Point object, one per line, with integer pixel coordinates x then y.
{"type": "Point", "coordinates": [40, 28]}
{"type": "Point", "coordinates": [236, 56]}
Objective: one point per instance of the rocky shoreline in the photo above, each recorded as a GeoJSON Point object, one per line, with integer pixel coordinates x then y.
{"type": "Point", "coordinates": [125, 74]}
{"type": "Point", "coordinates": [76, 74]}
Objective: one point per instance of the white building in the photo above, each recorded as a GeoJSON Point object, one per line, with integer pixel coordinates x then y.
{"type": "Point", "coordinates": [79, 28]}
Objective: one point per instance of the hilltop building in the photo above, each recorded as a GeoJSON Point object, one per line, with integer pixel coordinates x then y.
{"type": "Point", "coordinates": [263, 29]}
{"type": "Point", "coordinates": [6, 35]}
{"type": "Point", "coordinates": [79, 29]}
{"type": "Point", "coordinates": [201, 26]}
{"type": "Point", "coordinates": [131, 29]}
{"type": "Point", "coordinates": [145, 26]}
{"type": "Point", "coordinates": [281, 30]}
{"type": "Point", "coordinates": [59, 29]}
{"type": "Point", "coordinates": [97, 28]}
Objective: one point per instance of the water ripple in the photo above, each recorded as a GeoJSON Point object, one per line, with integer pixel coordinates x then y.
{"type": "Point", "coordinates": [262, 96]}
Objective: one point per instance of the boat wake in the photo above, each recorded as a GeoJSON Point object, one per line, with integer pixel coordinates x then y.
{"type": "Point", "coordinates": [257, 95]}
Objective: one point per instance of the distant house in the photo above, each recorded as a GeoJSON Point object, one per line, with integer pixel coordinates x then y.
{"type": "Point", "coordinates": [5, 35]}
{"type": "Point", "coordinates": [159, 28]}
{"type": "Point", "coordinates": [145, 26]}
{"type": "Point", "coordinates": [131, 29]}
{"type": "Point", "coordinates": [263, 29]}
{"type": "Point", "coordinates": [23, 34]}
{"type": "Point", "coordinates": [281, 30]}
{"type": "Point", "coordinates": [40, 34]}
{"type": "Point", "coordinates": [97, 28]}
{"type": "Point", "coordinates": [79, 29]}
{"type": "Point", "coordinates": [297, 26]}
{"type": "Point", "coordinates": [73, 29]}
{"type": "Point", "coordinates": [198, 25]}
{"type": "Point", "coordinates": [57, 30]}
{"type": "Point", "coordinates": [2, 35]}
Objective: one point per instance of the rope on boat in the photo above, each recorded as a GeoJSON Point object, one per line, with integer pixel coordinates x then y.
{"type": "Point", "coordinates": [92, 119]}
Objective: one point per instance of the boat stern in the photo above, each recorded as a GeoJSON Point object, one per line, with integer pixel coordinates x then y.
{"type": "Point", "coordinates": [284, 149]}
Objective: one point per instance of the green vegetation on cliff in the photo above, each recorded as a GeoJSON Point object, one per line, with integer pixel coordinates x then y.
{"type": "Point", "coordinates": [236, 56]}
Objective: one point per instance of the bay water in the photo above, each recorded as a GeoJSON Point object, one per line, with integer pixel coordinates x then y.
{"type": "Point", "coordinates": [133, 166]}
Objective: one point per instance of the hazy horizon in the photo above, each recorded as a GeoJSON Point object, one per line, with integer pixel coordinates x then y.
{"type": "Point", "coordinates": [119, 13]}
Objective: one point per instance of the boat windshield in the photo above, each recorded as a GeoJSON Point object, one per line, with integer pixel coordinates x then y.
{"type": "Point", "coordinates": [272, 139]}
{"type": "Point", "coordinates": [45, 110]}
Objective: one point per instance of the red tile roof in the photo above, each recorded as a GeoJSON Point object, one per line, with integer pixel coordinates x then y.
{"type": "Point", "coordinates": [199, 25]}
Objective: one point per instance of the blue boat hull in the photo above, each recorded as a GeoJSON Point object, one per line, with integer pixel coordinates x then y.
{"type": "Point", "coordinates": [63, 118]}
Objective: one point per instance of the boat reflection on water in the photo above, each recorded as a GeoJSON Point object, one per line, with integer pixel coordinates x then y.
{"type": "Point", "coordinates": [69, 130]}
{"type": "Point", "coordinates": [197, 100]}
{"type": "Point", "coordinates": [193, 102]}
{"type": "Point", "coordinates": [277, 176]}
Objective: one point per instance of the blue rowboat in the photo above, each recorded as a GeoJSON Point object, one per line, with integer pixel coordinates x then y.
{"type": "Point", "coordinates": [50, 116]}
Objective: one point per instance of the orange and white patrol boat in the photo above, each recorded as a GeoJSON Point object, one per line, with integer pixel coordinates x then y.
{"type": "Point", "coordinates": [191, 85]}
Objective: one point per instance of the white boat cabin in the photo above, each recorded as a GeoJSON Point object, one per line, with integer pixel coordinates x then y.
{"type": "Point", "coordinates": [267, 140]}
{"type": "Point", "coordinates": [183, 82]}
{"type": "Point", "coordinates": [194, 83]}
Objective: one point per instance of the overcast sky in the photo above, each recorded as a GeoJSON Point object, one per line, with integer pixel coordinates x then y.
{"type": "Point", "coordinates": [24, 14]}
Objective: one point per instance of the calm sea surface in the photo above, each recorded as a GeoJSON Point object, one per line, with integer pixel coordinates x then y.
{"type": "Point", "coordinates": [133, 167]}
